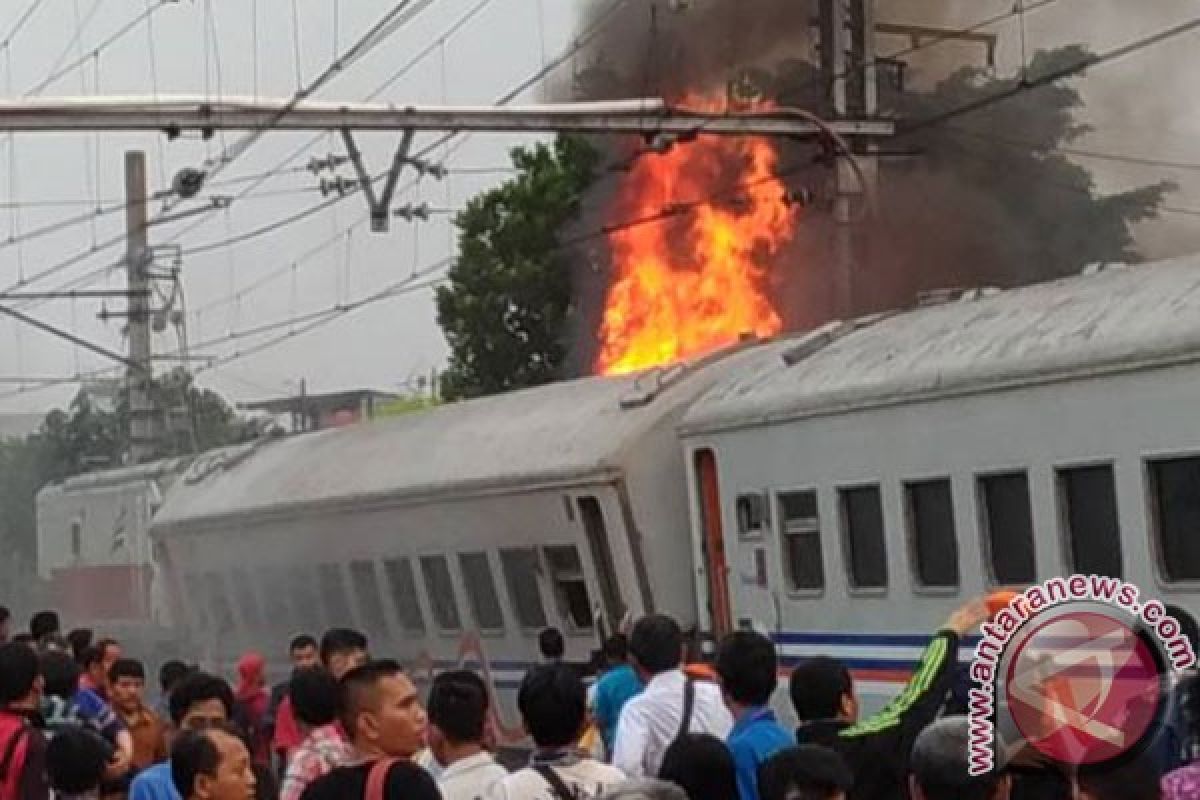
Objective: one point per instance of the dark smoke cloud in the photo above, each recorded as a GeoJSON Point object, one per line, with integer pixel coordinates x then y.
{"type": "Point", "coordinates": [937, 227]}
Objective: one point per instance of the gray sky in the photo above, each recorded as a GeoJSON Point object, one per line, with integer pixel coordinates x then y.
{"type": "Point", "coordinates": [1139, 107]}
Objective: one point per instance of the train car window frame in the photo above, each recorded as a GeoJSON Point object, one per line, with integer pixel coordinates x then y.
{"type": "Point", "coordinates": [372, 615]}
{"type": "Point", "coordinates": [338, 608]}
{"type": "Point", "coordinates": [786, 537]}
{"type": "Point", "coordinates": [445, 625]}
{"type": "Point", "coordinates": [853, 586]}
{"type": "Point", "coordinates": [253, 622]}
{"type": "Point", "coordinates": [513, 582]}
{"type": "Point", "coordinates": [565, 582]}
{"type": "Point", "coordinates": [1064, 506]}
{"type": "Point", "coordinates": [752, 513]}
{"type": "Point", "coordinates": [913, 536]}
{"type": "Point", "coordinates": [987, 545]}
{"type": "Point", "coordinates": [409, 613]}
{"type": "Point", "coordinates": [278, 613]}
{"type": "Point", "coordinates": [197, 605]}
{"type": "Point", "coordinates": [1154, 520]}
{"type": "Point", "coordinates": [479, 604]}
{"type": "Point", "coordinates": [220, 610]}
{"type": "Point", "coordinates": [306, 600]}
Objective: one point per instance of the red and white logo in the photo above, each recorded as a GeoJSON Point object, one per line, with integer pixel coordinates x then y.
{"type": "Point", "coordinates": [1083, 686]}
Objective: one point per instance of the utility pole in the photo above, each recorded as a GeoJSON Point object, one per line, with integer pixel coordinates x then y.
{"type": "Point", "coordinates": [142, 419]}
{"type": "Point", "coordinates": [848, 66]}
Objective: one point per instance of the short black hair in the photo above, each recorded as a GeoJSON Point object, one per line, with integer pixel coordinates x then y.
{"type": "Point", "coordinates": [341, 640]}
{"type": "Point", "coordinates": [314, 694]}
{"type": "Point", "coordinates": [5, 614]}
{"type": "Point", "coordinates": [44, 623]}
{"type": "Point", "coordinates": [171, 673]}
{"type": "Point", "coordinates": [748, 667]}
{"type": "Point", "coordinates": [76, 758]}
{"type": "Point", "coordinates": [18, 672]}
{"type": "Point", "coordinates": [807, 772]}
{"type": "Point", "coordinates": [702, 766]}
{"type": "Point", "coordinates": [301, 642]}
{"type": "Point", "coordinates": [656, 643]}
{"type": "Point", "coordinates": [24, 637]}
{"type": "Point", "coordinates": [92, 656]}
{"type": "Point", "coordinates": [551, 644]}
{"type": "Point", "coordinates": [357, 691]}
{"type": "Point", "coordinates": [616, 647]}
{"type": "Point", "coordinates": [553, 702]}
{"type": "Point", "coordinates": [194, 753]}
{"type": "Point", "coordinates": [126, 668]}
{"type": "Point", "coordinates": [80, 640]}
{"type": "Point", "coordinates": [1131, 778]}
{"type": "Point", "coordinates": [940, 763]}
{"type": "Point", "coordinates": [195, 688]}
{"type": "Point", "coordinates": [60, 673]}
{"type": "Point", "coordinates": [106, 643]}
{"type": "Point", "coordinates": [458, 705]}
{"type": "Point", "coordinates": [817, 686]}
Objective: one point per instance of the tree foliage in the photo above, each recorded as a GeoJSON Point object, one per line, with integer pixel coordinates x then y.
{"type": "Point", "coordinates": [509, 294]}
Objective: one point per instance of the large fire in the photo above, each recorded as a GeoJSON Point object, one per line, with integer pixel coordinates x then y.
{"type": "Point", "coordinates": [697, 281]}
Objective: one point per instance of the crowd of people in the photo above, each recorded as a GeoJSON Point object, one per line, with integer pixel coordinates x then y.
{"type": "Point", "coordinates": [76, 722]}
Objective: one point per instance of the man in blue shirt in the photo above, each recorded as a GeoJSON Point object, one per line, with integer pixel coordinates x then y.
{"type": "Point", "coordinates": [198, 702]}
{"type": "Point", "coordinates": [616, 687]}
{"type": "Point", "coordinates": [747, 670]}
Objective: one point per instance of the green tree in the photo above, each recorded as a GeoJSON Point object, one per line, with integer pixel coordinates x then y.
{"type": "Point", "coordinates": [509, 294]}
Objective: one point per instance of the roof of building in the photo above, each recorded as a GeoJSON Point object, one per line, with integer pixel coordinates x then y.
{"type": "Point", "coordinates": [560, 432]}
{"type": "Point", "coordinates": [1116, 319]}
{"type": "Point", "coordinates": [318, 403]}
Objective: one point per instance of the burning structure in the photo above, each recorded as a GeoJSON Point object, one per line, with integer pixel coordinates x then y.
{"type": "Point", "coordinates": [707, 241]}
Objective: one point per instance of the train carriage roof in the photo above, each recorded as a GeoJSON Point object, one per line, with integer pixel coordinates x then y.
{"type": "Point", "coordinates": [1115, 319]}
{"type": "Point", "coordinates": [570, 431]}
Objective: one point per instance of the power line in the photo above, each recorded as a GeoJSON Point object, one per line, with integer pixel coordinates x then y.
{"type": "Point", "coordinates": [1120, 158]}
{"type": "Point", "coordinates": [30, 10]}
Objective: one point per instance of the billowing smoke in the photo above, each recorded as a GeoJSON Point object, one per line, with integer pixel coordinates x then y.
{"type": "Point", "coordinates": [984, 200]}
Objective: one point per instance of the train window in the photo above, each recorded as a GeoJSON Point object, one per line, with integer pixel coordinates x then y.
{"type": "Point", "coordinates": [931, 532]}
{"type": "Point", "coordinates": [278, 614]}
{"type": "Point", "coordinates": [570, 586]}
{"type": "Point", "coordinates": [1008, 527]}
{"type": "Point", "coordinates": [1089, 496]}
{"type": "Point", "coordinates": [404, 594]}
{"type": "Point", "coordinates": [866, 553]}
{"type": "Point", "coordinates": [440, 589]}
{"type": "Point", "coordinates": [1175, 484]}
{"type": "Point", "coordinates": [365, 585]}
{"type": "Point", "coordinates": [305, 599]}
{"type": "Point", "coordinates": [197, 606]}
{"type": "Point", "coordinates": [218, 603]}
{"type": "Point", "coordinates": [521, 577]}
{"type": "Point", "coordinates": [801, 540]}
{"type": "Point", "coordinates": [481, 591]}
{"type": "Point", "coordinates": [243, 591]}
{"type": "Point", "coordinates": [751, 514]}
{"type": "Point", "coordinates": [333, 592]}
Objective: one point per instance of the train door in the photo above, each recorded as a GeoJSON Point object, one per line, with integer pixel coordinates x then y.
{"type": "Point", "coordinates": [716, 564]}
{"type": "Point", "coordinates": [596, 531]}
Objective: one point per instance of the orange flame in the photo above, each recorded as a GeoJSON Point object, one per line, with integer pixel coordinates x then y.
{"type": "Point", "coordinates": [695, 282]}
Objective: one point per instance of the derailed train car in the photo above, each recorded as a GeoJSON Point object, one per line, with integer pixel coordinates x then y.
{"type": "Point", "coordinates": [449, 535]}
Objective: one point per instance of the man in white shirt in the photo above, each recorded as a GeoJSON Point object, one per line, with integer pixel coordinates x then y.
{"type": "Point", "coordinates": [553, 704]}
{"type": "Point", "coordinates": [458, 709]}
{"type": "Point", "coordinates": [650, 722]}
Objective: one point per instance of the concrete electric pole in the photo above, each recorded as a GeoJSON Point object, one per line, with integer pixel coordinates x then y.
{"type": "Point", "coordinates": [142, 418]}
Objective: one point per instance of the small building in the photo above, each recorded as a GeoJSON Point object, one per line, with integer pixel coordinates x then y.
{"type": "Point", "coordinates": [315, 412]}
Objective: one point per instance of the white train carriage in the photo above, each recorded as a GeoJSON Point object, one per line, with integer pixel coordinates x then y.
{"type": "Point", "coordinates": [851, 488]}
{"type": "Point", "coordinates": [452, 535]}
